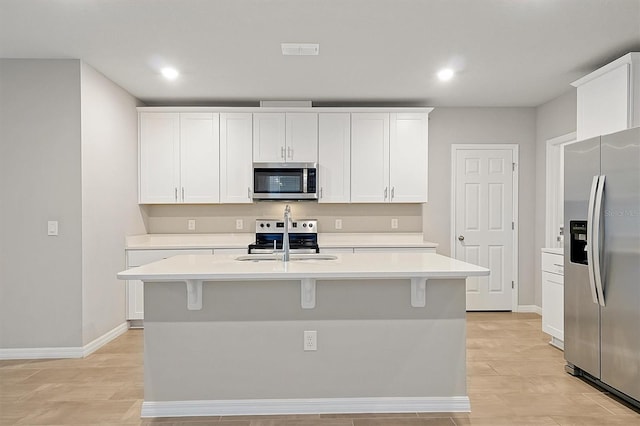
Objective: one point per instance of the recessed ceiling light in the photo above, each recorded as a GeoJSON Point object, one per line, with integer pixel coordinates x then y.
{"type": "Point", "coordinates": [169, 73]}
{"type": "Point", "coordinates": [300, 49]}
{"type": "Point", "coordinates": [445, 74]}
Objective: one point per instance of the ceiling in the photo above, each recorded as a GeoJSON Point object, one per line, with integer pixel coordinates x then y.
{"type": "Point", "coordinates": [372, 52]}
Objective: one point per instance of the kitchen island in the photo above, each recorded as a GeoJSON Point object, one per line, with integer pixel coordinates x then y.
{"type": "Point", "coordinates": [227, 337]}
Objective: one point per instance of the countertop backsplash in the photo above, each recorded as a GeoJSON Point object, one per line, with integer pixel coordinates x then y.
{"type": "Point", "coordinates": [173, 219]}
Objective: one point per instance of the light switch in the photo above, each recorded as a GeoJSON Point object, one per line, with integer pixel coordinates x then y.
{"type": "Point", "coordinates": [52, 227]}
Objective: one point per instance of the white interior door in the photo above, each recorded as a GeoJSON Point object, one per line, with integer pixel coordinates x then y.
{"type": "Point", "coordinates": [484, 222]}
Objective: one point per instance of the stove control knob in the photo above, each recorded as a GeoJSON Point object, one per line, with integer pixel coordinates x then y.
{"type": "Point", "coordinates": [304, 225]}
{"type": "Point", "coordinates": [311, 225]}
{"type": "Point", "coordinates": [262, 225]}
{"type": "Point", "coordinates": [268, 225]}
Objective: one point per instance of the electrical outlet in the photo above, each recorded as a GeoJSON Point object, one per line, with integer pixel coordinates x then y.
{"type": "Point", "coordinates": [311, 340]}
{"type": "Point", "coordinates": [394, 223]}
{"type": "Point", "coordinates": [338, 223]}
{"type": "Point", "coordinates": [191, 224]}
{"type": "Point", "coordinates": [239, 224]}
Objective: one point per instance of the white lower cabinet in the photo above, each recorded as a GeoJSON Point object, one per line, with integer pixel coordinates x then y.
{"type": "Point", "coordinates": [553, 297]}
{"type": "Point", "coordinates": [135, 288]}
{"type": "Point", "coordinates": [394, 250]}
{"type": "Point", "coordinates": [336, 250]}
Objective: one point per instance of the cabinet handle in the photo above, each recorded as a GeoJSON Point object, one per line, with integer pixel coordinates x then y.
{"type": "Point", "coordinates": [393, 191]}
{"type": "Point", "coordinates": [183, 193]}
{"type": "Point", "coordinates": [385, 192]}
{"type": "Point", "coordinates": [282, 152]}
{"type": "Point", "coordinates": [290, 152]}
{"type": "Point", "coordinates": [175, 193]}
{"type": "Point", "coordinates": [559, 265]}
{"type": "Point", "coordinates": [248, 192]}
{"type": "Point", "coordinates": [320, 192]}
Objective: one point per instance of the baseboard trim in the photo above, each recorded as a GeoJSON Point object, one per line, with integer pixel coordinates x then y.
{"type": "Point", "coordinates": [104, 339]}
{"type": "Point", "coordinates": [530, 308]}
{"type": "Point", "coordinates": [242, 407]}
{"type": "Point", "coordinates": [63, 352]}
{"type": "Point", "coordinates": [40, 353]}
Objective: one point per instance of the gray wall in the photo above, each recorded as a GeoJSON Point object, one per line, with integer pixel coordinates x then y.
{"type": "Point", "coordinates": [554, 118]}
{"type": "Point", "coordinates": [68, 152]}
{"type": "Point", "coordinates": [40, 276]}
{"type": "Point", "coordinates": [109, 199]}
{"type": "Point", "coordinates": [449, 126]}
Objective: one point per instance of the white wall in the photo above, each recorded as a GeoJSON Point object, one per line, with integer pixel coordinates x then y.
{"type": "Point", "coordinates": [449, 126]}
{"type": "Point", "coordinates": [109, 199]}
{"type": "Point", "coordinates": [40, 276]}
{"type": "Point", "coordinates": [554, 118]}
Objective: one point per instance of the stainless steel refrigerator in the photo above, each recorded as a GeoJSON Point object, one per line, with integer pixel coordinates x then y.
{"type": "Point", "coordinates": [602, 261]}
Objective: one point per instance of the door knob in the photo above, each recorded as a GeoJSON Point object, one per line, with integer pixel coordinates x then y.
{"type": "Point", "coordinates": [461, 238]}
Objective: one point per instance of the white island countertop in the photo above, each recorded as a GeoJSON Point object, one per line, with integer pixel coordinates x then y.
{"type": "Point", "coordinates": [352, 266]}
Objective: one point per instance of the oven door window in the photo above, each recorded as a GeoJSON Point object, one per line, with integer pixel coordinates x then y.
{"type": "Point", "coordinates": [276, 181]}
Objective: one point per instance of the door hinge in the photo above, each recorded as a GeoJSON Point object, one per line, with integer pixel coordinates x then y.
{"type": "Point", "coordinates": [513, 285]}
{"type": "Point", "coordinates": [513, 167]}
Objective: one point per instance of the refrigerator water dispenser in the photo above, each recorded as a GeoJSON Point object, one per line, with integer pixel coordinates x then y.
{"type": "Point", "coordinates": [578, 241]}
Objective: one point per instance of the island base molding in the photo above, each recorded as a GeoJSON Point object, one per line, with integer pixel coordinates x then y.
{"type": "Point", "coordinates": [452, 404]}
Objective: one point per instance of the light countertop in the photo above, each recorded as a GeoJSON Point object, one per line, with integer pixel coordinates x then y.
{"type": "Point", "coordinates": [353, 266]}
{"type": "Point", "coordinates": [242, 240]}
{"type": "Point", "coordinates": [553, 250]}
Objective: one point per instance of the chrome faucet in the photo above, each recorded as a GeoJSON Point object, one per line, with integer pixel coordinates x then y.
{"type": "Point", "coordinates": [285, 236]}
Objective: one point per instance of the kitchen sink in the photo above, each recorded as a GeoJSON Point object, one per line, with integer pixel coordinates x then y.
{"type": "Point", "coordinates": [278, 257]}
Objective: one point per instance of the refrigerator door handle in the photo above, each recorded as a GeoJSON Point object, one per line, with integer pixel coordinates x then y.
{"type": "Point", "coordinates": [592, 200]}
{"type": "Point", "coordinates": [597, 217]}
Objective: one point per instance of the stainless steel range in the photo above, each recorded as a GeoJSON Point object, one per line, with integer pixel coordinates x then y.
{"type": "Point", "coordinates": [303, 236]}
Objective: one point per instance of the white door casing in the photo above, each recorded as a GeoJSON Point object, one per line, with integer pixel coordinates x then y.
{"type": "Point", "coordinates": [484, 221]}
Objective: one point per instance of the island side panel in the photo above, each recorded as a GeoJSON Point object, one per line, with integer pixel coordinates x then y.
{"type": "Point", "coordinates": [247, 341]}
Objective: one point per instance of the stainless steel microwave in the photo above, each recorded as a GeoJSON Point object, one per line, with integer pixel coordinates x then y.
{"type": "Point", "coordinates": [285, 181]}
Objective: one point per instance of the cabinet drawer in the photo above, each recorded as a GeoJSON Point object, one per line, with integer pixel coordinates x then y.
{"type": "Point", "coordinates": [142, 257]}
{"type": "Point", "coordinates": [553, 263]}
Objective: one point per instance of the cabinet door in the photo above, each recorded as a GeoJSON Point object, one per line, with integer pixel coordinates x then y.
{"type": "Point", "coordinates": [302, 137]}
{"type": "Point", "coordinates": [369, 157]}
{"type": "Point", "coordinates": [408, 143]}
{"type": "Point", "coordinates": [135, 300]}
{"type": "Point", "coordinates": [159, 158]}
{"type": "Point", "coordinates": [603, 104]}
{"type": "Point", "coordinates": [199, 158]}
{"type": "Point", "coordinates": [334, 157]}
{"type": "Point", "coordinates": [269, 137]}
{"type": "Point", "coordinates": [553, 304]}
{"type": "Point", "coordinates": [236, 169]}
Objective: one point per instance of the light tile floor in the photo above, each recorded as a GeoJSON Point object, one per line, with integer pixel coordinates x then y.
{"type": "Point", "coordinates": [514, 378]}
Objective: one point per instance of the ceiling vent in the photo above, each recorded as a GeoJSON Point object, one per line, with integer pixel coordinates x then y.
{"type": "Point", "coordinates": [300, 49]}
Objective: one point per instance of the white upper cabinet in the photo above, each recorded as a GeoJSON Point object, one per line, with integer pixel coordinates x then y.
{"type": "Point", "coordinates": [178, 158]}
{"type": "Point", "coordinates": [334, 157]}
{"type": "Point", "coordinates": [269, 137]}
{"type": "Point", "coordinates": [199, 158]}
{"type": "Point", "coordinates": [389, 157]}
{"type": "Point", "coordinates": [282, 137]}
{"type": "Point", "coordinates": [302, 137]}
{"type": "Point", "coordinates": [608, 99]}
{"type": "Point", "coordinates": [408, 144]}
{"type": "Point", "coordinates": [369, 157]}
{"type": "Point", "coordinates": [159, 158]}
{"type": "Point", "coordinates": [236, 168]}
